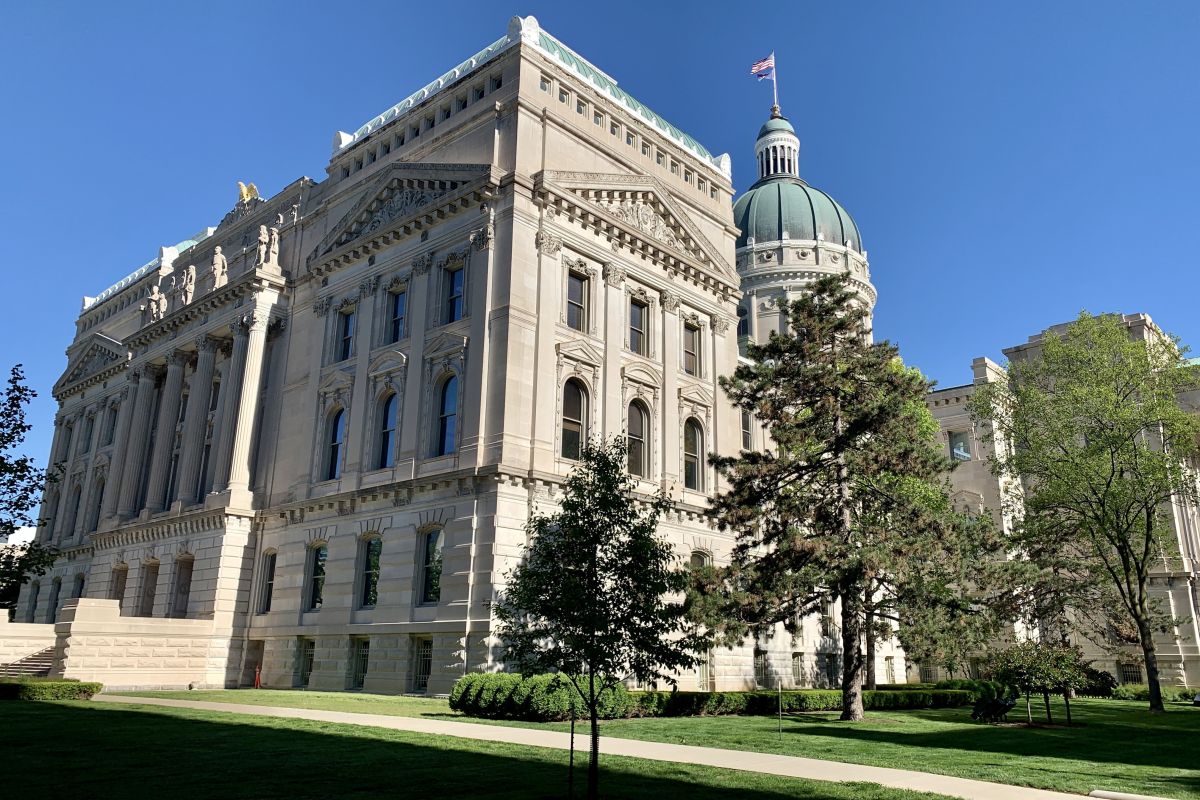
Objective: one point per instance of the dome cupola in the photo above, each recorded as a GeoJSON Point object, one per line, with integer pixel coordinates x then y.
{"type": "Point", "coordinates": [777, 148]}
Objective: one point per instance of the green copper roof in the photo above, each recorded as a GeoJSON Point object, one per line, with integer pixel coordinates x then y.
{"type": "Point", "coordinates": [775, 124]}
{"type": "Point", "coordinates": [782, 204]}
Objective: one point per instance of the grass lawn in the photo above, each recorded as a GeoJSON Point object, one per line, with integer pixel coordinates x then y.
{"type": "Point", "coordinates": [1115, 745]}
{"type": "Point", "coordinates": [81, 749]}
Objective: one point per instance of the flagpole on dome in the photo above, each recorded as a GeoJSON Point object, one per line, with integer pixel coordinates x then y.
{"type": "Point", "coordinates": [763, 69]}
{"type": "Point", "coordinates": [775, 81]}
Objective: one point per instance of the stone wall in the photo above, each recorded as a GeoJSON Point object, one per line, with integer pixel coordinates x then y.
{"type": "Point", "coordinates": [21, 639]}
{"type": "Point", "coordinates": [95, 643]}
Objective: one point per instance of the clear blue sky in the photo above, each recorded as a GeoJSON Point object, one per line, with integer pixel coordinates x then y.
{"type": "Point", "coordinates": [1009, 164]}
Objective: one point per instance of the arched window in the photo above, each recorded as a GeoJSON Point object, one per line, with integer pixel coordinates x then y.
{"type": "Point", "coordinates": [693, 448]}
{"type": "Point", "coordinates": [335, 437]}
{"type": "Point", "coordinates": [77, 586]}
{"type": "Point", "coordinates": [184, 568]}
{"type": "Point", "coordinates": [699, 559]}
{"type": "Point", "coordinates": [93, 518]}
{"type": "Point", "coordinates": [317, 555]}
{"type": "Point", "coordinates": [149, 576]}
{"type": "Point", "coordinates": [118, 581]}
{"type": "Point", "coordinates": [35, 589]}
{"type": "Point", "coordinates": [447, 417]}
{"type": "Point", "coordinates": [574, 416]}
{"type": "Point", "coordinates": [68, 529]}
{"type": "Point", "coordinates": [388, 411]}
{"type": "Point", "coordinates": [268, 582]}
{"type": "Point", "coordinates": [55, 591]}
{"type": "Point", "coordinates": [743, 328]}
{"type": "Point", "coordinates": [637, 429]}
{"type": "Point", "coordinates": [371, 550]}
{"type": "Point", "coordinates": [431, 567]}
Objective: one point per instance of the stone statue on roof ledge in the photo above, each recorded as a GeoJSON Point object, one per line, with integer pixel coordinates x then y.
{"type": "Point", "coordinates": [220, 268]}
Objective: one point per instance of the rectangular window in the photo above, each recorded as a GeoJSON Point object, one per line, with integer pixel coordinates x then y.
{"type": "Point", "coordinates": [345, 342]}
{"type": "Point", "coordinates": [362, 657]}
{"type": "Point", "coordinates": [316, 576]}
{"type": "Point", "coordinates": [110, 425]}
{"type": "Point", "coordinates": [747, 442]}
{"type": "Point", "coordinates": [372, 549]}
{"type": "Point", "coordinates": [614, 129]}
{"type": "Point", "coordinates": [422, 664]}
{"type": "Point", "coordinates": [544, 84]}
{"type": "Point", "coordinates": [659, 158]}
{"type": "Point", "coordinates": [453, 289]}
{"type": "Point", "coordinates": [445, 114]}
{"type": "Point", "coordinates": [638, 313]}
{"type": "Point", "coordinates": [89, 426]}
{"type": "Point", "coordinates": [701, 184]}
{"type": "Point", "coordinates": [564, 96]}
{"type": "Point", "coordinates": [477, 94]}
{"type": "Point", "coordinates": [431, 569]}
{"type": "Point", "coordinates": [797, 669]}
{"type": "Point", "coordinates": [307, 654]}
{"type": "Point", "coordinates": [371, 157]}
{"type": "Point", "coordinates": [460, 102]}
{"type": "Point", "coordinates": [760, 668]}
{"type": "Point", "coordinates": [828, 627]}
{"type": "Point", "coordinates": [495, 83]}
{"type": "Point", "coordinates": [1131, 673]}
{"type": "Point", "coordinates": [712, 192]}
{"type": "Point", "coordinates": [646, 149]}
{"type": "Point", "coordinates": [149, 586]}
{"type": "Point", "coordinates": [577, 296]}
{"type": "Point", "coordinates": [960, 445]}
{"type": "Point", "coordinates": [414, 131]}
{"type": "Point", "coordinates": [581, 107]}
{"type": "Point", "coordinates": [598, 118]}
{"type": "Point", "coordinates": [687, 175]}
{"type": "Point", "coordinates": [268, 583]}
{"type": "Point", "coordinates": [889, 669]}
{"type": "Point", "coordinates": [630, 139]}
{"type": "Point", "coordinates": [385, 148]}
{"type": "Point", "coordinates": [400, 139]}
{"type": "Point", "coordinates": [183, 587]}
{"type": "Point", "coordinates": [833, 670]}
{"type": "Point", "coordinates": [927, 672]}
{"type": "Point", "coordinates": [399, 308]}
{"type": "Point", "coordinates": [691, 349]}
{"type": "Point", "coordinates": [674, 167]}
{"type": "Point", "coordinates": [704, 672]}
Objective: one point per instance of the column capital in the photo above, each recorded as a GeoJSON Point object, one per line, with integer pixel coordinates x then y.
{"type": "Point", "coordinates": [178, 358]}
{"type": "Point", "coordinates": [207, 344]}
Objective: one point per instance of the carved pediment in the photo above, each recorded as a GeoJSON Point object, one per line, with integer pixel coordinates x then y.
{"type": "Point", "coordinates": [642, 373]}
{"type": "Point", "coordinates": [695, 395]}
{"type": "Point", "coordinates": [391, 361]}
{"type": "Point", "coordinates": [337, 383]}
{"type": "Point", "coordinates": [400, 192]}
{"type": "Point", "coordinates": [445, 344]}
{"type": "Point", "coordinates": [967, 501]}
{"type": "Point", "coordinates": [643, 206]}
{"type": "Point", "coordinates": [91, 357]}
{"type": "Point", "coordinates": [579, 351]}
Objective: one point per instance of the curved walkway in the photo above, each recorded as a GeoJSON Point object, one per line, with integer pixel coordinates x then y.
{"type": "Point", "coordinates": [767, 763]}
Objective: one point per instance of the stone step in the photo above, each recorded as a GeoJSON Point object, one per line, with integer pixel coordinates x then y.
{"type": "Point", "coordinates": [32, 666]}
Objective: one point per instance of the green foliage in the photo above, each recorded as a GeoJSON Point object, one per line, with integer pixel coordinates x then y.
{"type": "Point", "coordinates": [1098, 683]}
{"type": "Point", "coordinates": [850, 501]}
{"type": "Point", "coordinates": [20, 492]}
{"type": "Point", "coordinates": [1140, 691]}
{"type": "Point", "coordinates": [533, 698]}
{"type": "Point", "coordinates": [47, 689]}
{"type": "Point", "coordinates": [1090, 427]}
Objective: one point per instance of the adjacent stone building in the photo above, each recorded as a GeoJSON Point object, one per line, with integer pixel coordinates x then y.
{"type": "Point", "coordinates": [306, 441]}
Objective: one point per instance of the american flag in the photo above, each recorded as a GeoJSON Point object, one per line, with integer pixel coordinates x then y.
{"type": "Point", "coordinates": [762, 69]}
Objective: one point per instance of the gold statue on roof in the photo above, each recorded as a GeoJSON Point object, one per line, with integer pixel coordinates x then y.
{"type": "Point", "coordinates": [247, 193]}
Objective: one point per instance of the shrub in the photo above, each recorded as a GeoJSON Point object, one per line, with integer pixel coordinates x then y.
{"type": "Point", "coordinates": [537, 698]}
{"type": "Point", "coordinates": [1140, 691]}
{"type": "Point", "coordinates": [32, 689]}
{"type": "Point", "coordinates": [1099, 683]}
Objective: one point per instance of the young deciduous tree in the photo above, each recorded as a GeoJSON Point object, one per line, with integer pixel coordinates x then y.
{"type": "Point", "coordinates": [1043, 668]}
{"type": "Point", "coordinates": [1100, 442]}
{"type": "Point", "coordinates": [599, 595]}
{"type": "Point", "coordinates": [849, 500]}
{"type": "Point", "coordinates": [21, 485]}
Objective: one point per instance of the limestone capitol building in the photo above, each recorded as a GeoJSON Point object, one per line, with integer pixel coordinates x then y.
{"type": "Point", "coordinates": [307, 440]}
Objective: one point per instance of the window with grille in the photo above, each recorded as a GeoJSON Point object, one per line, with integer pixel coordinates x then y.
{"type": "Point", "coordinates": [1131, 673]}
{"type": "Point", "coordinates": [308, 651]}
{"type": "Point", "coordinates": [889, 669]}
{"type": "Point", "coordinates": [704, 672]}
{"type": "Point", "coordinates": [422, 664]}
{"type": "Point", "coordinates": [798, 669]}
{"type": "Point", "coordinates": [760, 667]}
{"type": "Point", "coordinates": [362, 657]}
{"type": "Point", "coordinates": [927, 673]}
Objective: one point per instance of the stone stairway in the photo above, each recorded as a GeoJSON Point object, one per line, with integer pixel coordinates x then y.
{"type": "Point", "coordinates": [36, 665]}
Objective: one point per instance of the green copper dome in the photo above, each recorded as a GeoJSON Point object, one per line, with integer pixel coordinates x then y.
{"type": "Point", "coordinates": [783, 203]}
{"type": "Point", "coordinates": [775, 124]}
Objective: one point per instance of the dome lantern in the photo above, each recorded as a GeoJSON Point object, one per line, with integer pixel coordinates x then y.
{"type": "Point", "coordinates": [777, 148]}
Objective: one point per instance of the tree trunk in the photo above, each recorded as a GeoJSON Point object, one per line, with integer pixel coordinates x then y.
{"type": "Point", "coordinates": [1067, 702]}
{"type": "Point", "coordinates": [593, 779]}
{"type": "Point", "coordinates": [1028, 710]}
{"type": "Point", "coordinates": [1046, 700]}
{"type": "Point", "coordinates": [1151, 657]}
{"type": "Point", "coordinates": [869, 664]}
{"type": "Point", "coordinates": [852, 660]}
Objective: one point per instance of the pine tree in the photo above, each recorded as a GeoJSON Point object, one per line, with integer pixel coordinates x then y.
{"type": "Point", "coordinates": [849, 502]}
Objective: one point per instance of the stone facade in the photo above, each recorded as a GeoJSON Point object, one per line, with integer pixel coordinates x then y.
{"type": "Point", "coordinates": [307, 440]}
{"type": "Point", "coordinates": [977, 490]}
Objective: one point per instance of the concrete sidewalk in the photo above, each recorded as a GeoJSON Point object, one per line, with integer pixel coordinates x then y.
{"type": "Point", "coordinates": [767, 763]}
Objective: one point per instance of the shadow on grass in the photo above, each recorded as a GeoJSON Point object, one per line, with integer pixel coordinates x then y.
{"type": "Point", "coordinates": [1103, 734]}
{"type": "Point", "coordinates": [79, 750]}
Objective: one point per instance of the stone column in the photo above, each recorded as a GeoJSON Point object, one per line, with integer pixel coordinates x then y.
{"type": "Point", "coordinates": [194, 422]}
{"type": "Point", "coordinates": [135, 450]}
{"type": "Point", "coordinates": [164, 438]}
{"type": "Point", "coordinates": [229, 406]}
{"type": "Point", "coordinates": [615, 331]}
{"type": "Point", "coordinates": [112, 486]}
{"type": "Point", "coordinates": [243, 437]}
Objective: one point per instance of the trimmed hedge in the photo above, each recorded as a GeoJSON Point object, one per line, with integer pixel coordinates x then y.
{"type": "Point", "coordinates": [45, 689]}
{"type": "Point", "coordinates": [547, 698]}
{"type": "Point", "coordinates": [1140, 691]}
{"type": "Point", "coordinates": [538, 698]}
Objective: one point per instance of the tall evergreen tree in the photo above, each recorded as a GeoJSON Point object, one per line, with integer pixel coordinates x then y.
{"type": "Point", "coordinates": [1098, 439]}
{"type": "Point", "coordinates": [849, 501]}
